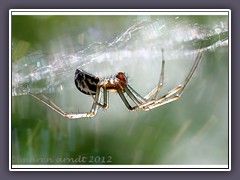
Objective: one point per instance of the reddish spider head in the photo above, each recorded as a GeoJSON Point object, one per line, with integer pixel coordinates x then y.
{"type": "Point", "coordinates": [122, 77]}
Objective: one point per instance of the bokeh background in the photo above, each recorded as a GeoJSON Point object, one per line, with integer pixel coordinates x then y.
{"type": "Point", "coordinates": [191, 131]}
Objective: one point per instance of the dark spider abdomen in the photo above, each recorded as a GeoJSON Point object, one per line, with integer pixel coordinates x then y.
{"type": "Point", "coordinates": [86, 82]}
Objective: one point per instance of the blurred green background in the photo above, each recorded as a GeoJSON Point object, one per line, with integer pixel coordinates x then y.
{"type": "Point", "coordinates": [191, 131]}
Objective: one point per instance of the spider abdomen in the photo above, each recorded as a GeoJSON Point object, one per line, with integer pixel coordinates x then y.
{"type": "Point", "coordinates": [86, 82]}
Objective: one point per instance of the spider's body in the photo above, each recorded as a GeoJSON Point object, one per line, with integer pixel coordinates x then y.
{"type": "Point", "coordinates": [85, 82]}
{"type": "Point", "coordinates": [97, 88]}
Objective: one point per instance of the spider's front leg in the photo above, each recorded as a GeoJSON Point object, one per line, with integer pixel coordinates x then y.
{"type": "Point", "coordinates": [175, 93]}
{"type": "Point", "coordinates": [155, 91]}
{"type": "Point", "coordinates": [172, 95]}
{"type": "Point", "coordinates": [140, 101]}
{"type": "Point", "coordinates": [119, 90]}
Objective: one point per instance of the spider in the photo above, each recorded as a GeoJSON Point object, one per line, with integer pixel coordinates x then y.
{"type": "Point", "coordinates": [92, 85]}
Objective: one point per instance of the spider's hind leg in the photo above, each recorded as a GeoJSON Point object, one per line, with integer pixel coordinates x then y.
{"type": "Point", "coordinates": [45, 100]}
{"type": "Point", "coordinates": [103, 105]}
{"type": "Point", "coordinates": [53, 106]}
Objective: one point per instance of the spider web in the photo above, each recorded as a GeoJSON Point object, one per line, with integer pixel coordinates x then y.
{"type": "Point", "coordinates": [135, 49]}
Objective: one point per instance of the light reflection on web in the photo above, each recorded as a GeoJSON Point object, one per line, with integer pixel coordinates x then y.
{"type": "Point", "coordinates": [40, 72]}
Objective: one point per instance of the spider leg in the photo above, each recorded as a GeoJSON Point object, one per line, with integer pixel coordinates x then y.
{"type": "Point", "coordinates": [160, 82]}
{"type": "Point", "coordinates": [160, 102]}
{"type": "Point", "coordinates": [124, 99]}
{"type": "Point", "coordinates": [93, 110]}
{"type": "Point", "coordinates": [175, 93]}
{"type": "Point", "coordinates": [167, 98]}
{"type": "Point", "coordinates": [137, 98]}
{"type": "Point", "coordinates": [192, 70]}
{"type": "Point", "coordinates": [91, 113]}
{"type": "Point", "coordinates": [105, 99]}
{"type": "Point", "coordinates": [49, 103]}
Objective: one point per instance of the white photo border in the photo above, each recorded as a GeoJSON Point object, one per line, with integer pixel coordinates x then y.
{"type": "Point", "coordinates": [120, 167]}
